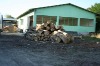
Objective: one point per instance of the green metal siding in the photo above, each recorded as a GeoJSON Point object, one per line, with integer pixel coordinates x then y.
{"type": "Point", "coordinates": [34, 19]}
{"type": "Point", "coordinates": [79, 29]}
{"type": "Point", "coordinates": [67, 11]}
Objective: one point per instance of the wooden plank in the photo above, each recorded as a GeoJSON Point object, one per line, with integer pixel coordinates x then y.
{"type": "Point", "coordinates": [46, 32]}
{"type": "Point", "coordinates": [57, 39]}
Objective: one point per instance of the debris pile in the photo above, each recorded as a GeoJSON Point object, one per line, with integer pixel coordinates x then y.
{"type": "Point", "coordinates": [49, 32]}
{"type": "Point", "coordinates": [11, 28]}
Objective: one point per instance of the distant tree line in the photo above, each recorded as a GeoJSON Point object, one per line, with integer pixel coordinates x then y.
{"type": "Point", "coordinates": [9, 16]}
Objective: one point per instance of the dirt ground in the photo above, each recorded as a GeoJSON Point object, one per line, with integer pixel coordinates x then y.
{"type": "Point", "coordinates": [15, 50]}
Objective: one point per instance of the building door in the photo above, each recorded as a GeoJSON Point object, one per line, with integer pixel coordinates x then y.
{"type": "Point", "coordinates": [31, 21]}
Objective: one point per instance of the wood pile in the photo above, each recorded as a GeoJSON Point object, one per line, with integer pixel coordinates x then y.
{"type": "Point", "coordinates": [49, 32]}
{"type": "Point", "coordinates": [11, 28]}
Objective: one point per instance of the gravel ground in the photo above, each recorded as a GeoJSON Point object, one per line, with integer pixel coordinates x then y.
{"type": "Point", "coordinates": [15, 50]}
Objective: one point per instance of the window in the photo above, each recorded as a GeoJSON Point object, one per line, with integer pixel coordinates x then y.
{"type": "Point", "coordinates": [61, 21]}
{"type": "Point", "coordinates": [39, 19]}
{"type": "Point", "coordinates": [67, 22]}
{"type": "Point", "coordinates": [75, 21]}
{"type": "Point", "coordinates": [42, 19]}
{"type": "Point", "coordinates": [54, 19]}
{"type": "Point", "coordinates": [21, 20]}
{"type": "Point", "coordinates": [46, 18]}
{"type": "Point", "coordinates": [86, 22]}
{"type": "Point", "coordinates": [70, 21]}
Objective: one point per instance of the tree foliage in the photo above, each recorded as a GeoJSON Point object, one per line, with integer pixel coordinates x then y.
{"type": "Point", "coordinates": [9, 16]}
{"type": "Point", "coordinates": [96, 9]}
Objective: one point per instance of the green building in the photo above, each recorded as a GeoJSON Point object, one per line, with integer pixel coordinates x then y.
{"type": "Point", "coordinates": [71, 17]}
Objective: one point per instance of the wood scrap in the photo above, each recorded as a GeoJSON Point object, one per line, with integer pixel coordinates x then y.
{"type": "Point", "coordinates": [49, 32]}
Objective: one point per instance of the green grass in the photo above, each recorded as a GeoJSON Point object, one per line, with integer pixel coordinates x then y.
{"type": "Point", "coordinates": [88, 38]}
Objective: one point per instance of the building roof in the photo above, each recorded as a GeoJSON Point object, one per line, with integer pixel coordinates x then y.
{"type": "Point", "coordinates": [9, 19]}
{"type": "Point", "coordinates": [32, 9]}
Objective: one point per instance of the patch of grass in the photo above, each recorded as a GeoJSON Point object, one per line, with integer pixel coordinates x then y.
{"type": "Point", "coordinates": [88, 38]}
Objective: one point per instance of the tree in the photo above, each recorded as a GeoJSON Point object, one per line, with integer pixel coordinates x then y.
{"type": "Point", "coordinates": [9, 16]}
{"type": "Point", "coordinates": [96, 9]}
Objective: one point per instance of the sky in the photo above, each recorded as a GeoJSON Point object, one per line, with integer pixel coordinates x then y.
{"type": "Point", "coordinates": [17, 7]}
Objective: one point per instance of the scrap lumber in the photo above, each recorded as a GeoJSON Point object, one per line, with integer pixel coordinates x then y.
{"type": "Point", "coordinates": [49, 32]}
